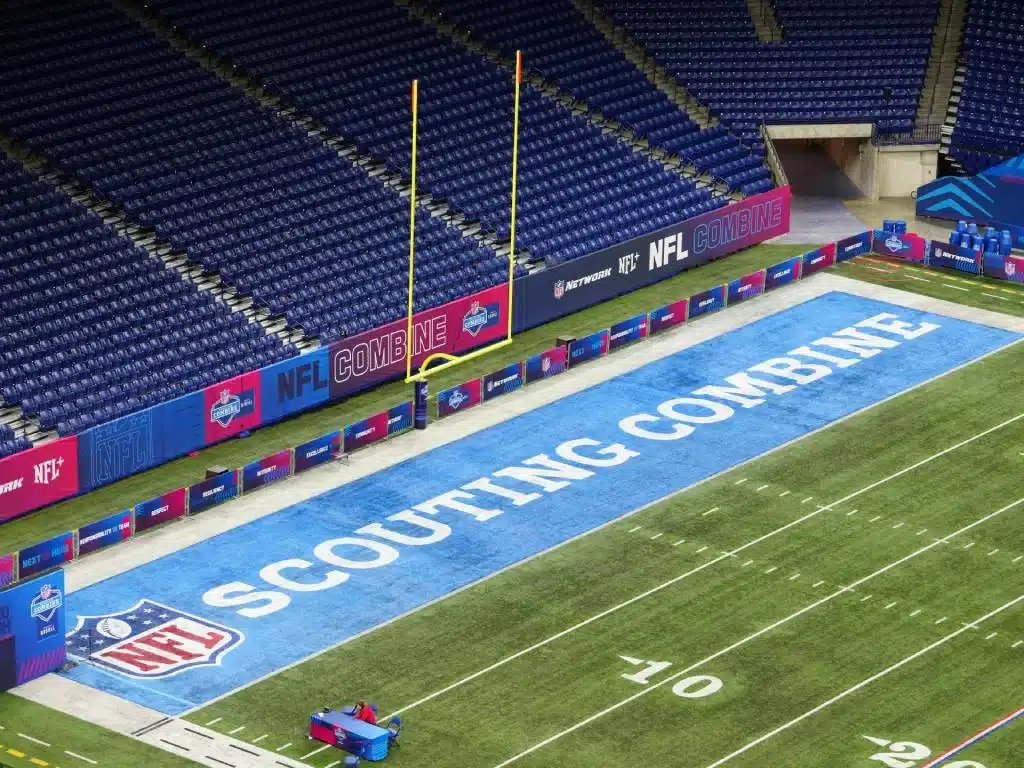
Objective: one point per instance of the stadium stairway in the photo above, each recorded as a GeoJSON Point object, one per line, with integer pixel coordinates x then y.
{"type": "Point", "coordinates": [569, 60]}
{"type": "Point", "coordinates": [942, 63]}
{"type": "Point", "coordinates": [763, 15]}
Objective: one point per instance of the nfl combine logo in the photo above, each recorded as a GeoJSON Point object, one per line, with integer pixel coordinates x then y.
{"type": "Point", "coordinates": [226, 408]}
{"type": "Point", "coordinates": [151, 640]}
{"type": "Point", "coordinates": [457, 398]}
{"type": "Point", "coordinates": [1010, 268]}
{"type": "Point", "coordinates": [475, 320]}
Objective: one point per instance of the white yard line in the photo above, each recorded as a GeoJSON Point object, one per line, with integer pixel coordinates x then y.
{"type": "Point", "coordinates": [698, 569]}
{"type": "Point", "coordinates": [33, 738]}
{"type": "Point", "coordinates": [863, 684]}
{"type": "Point", "coordinates": [765, 630]}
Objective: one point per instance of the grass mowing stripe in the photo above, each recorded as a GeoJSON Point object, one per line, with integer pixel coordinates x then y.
{"type": "Point", "coordinates": [771, 627]}
{"type": "Point", "coordinates": [703, 566]}
{"type": "Point", "coordinates": [864, 683]}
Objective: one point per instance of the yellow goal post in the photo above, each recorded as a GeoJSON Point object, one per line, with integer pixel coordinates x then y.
{"type": "Point", "coordinates": [450, 361]}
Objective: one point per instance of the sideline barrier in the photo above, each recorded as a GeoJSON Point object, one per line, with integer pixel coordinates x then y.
{"type": "Point", "coordinates": [856, 245]}
{"type": "Point", "coordinates": [819, 259]}
{"type": "Point", "coordinates": [46, 554]}
{"type": "Point", "coordinates": [105, 532]}
{"type": "Point", "coordinates": [746, 287]}
{"type": "Point", "coordinates": [458, 398]}
{"type": "Point", "coordinates": [145, 439]}
{"type": "Point", "coordinates": [269, 469]}
{"type": "Point", "coordinates": [317, 451]}
{"type": "Point", "coordinates": [399, 418]}
{"type": "Point", "coordinates": [783, 273]}
{"type": "Point", "coordinates": [627, 331]}
{"type": "Point", "coordinates": [588, 348]}
{"type": "Point", "coordinates": [363, 433]}
{"type": "Point", "coordinates": [153, 512]}
{"type": "Point", "coordinates": [547, 364]}
{"type": "Point", "coordinates": [669, 316]}
{"type": "Point", "coordinates": [7, 570]}
{"type": "Point", "coordinates": [909, 247]}
{"type": "Point", "coordinates": [212, 491]}
{"type": "Point", "coordinates": [706, 302]}
{"type": "Point", "coordinates": [503, 381]}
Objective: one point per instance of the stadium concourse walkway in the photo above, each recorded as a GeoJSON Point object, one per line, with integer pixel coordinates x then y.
{"type": "Point", "coordinates": [202, 744]}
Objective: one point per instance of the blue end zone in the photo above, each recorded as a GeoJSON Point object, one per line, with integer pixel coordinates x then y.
{"type": "Point", "coordinates": [202, 651]}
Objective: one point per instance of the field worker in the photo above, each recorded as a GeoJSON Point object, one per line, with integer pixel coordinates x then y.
{"type": "Point", "coordinates": [365, 713]}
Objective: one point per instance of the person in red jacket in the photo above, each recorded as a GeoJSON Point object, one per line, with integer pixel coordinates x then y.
{"type": "Point", "coordinates": [365, 713]}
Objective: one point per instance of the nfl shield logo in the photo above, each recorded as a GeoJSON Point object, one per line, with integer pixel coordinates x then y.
{"type": "Point", "coordinates": [151, 640]}
{"type": "Point", "coordinates": [1010, 268]}
{"type": "Point", "coordinates": [559, 288]}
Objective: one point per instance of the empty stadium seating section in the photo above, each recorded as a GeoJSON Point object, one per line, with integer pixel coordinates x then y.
{"type": "Point", "coordinates": [835, 61]}
{"type": "Point", "coordinates": [990, 119]}
{"type": "Point", "coordinates": [579, 190]}
{"type": "Point", "coordinates": [560, 44]}
{"type": "Point", "coordinates": [92, 326]}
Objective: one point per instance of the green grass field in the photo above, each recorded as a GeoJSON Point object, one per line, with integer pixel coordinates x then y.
{"type": "Point", "coordinates": [74, 513]}
{"type": "Point", "coordinates": [783, 586]}
{"type": "Point", "coordinates": [860, 588]}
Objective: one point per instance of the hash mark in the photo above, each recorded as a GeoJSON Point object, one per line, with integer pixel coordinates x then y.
{"type": "Point", "coordinates": [784, 493]}
{"type": "Point", "coordinates": [761, 488]}
{"type": "Point", "coordinates": [82, 757]}
{"type": "Point", "coordinates": [968, 546]}
{"type": "Point", "coordinates": [749, 562]}
{"type": "Point", "coordinates": [916, 613]}
{"type": "Point", "coordinates": [681, 541]}
{"type": "Point", "coordinates": [794, 577]}
{"type": "Point", "coordinates": [1018, 558]}
{"type": "Point", "coordinates": [818, 583]}
{"type": "Point", "coordinates": [922, 532]}
{"type": "Point", "coordinates": [939, 621]}
{"type": "Point", "coordinates": [656, 536]}
{"type": "Point", "coordinates": [239, 728]}
{"type": "Point", "coordinates": [992, 635]}
{"type": "Point", "coordinates": [851, 513]}
{"type": "Point", "coordinates": [898, 525]}
{"type": "Point", "coordinates": [635, 528]}
{"type": "Point", "coordinates": [713, 509]}
{"type": "Point", "coordinates": [1018, 644]}
{"type": "Point", "coordinates": [993, 552]}
{"type": "Point", "coordinates": [865, 598]}
{"type": "Point", "coordinates": [215, 720]}
{"type": "Point", "coordinates": [702, 549]}
{"type": "Point", "coordinates": [283, 746]}
{"type": "Point", "coordinates": [891, 605]}
{"type": "Point", "coordinates": [876, 517]}
{"type": "Point", "coordinates": [773, 569]}
{"type": "Point", "coordinates": [809, 498]}
{"type": "Point", "coordinates": [261, 738]}
{"type": "Point", "coordinates": [993, 296]}
{"type": "Point", "coordinates": [955, 287]}
{"type": "Point", "coordinates": [741, 481]}
{"type": "Point", "coordinates": [32, 738]}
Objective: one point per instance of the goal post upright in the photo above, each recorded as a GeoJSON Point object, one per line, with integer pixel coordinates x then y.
{"type": "Point", "coordinates": [450, 361]}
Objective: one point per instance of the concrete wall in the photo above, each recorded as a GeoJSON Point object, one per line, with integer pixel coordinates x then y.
{"type": "Point", "coordinates": [901, 170]}
{"type": "Point", "coordinates": [818, 131]}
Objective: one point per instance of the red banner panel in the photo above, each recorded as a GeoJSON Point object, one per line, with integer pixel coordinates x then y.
{"type": "Point", "coordinates": [37, 477]}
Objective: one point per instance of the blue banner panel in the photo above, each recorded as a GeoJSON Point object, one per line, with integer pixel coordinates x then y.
{"type": "Point", "coordinates": [588, 348]}
{"type": "Point", "coordinates": [103, 533]}
{"type": "Point", "coordinates": [746, 287]}
{"type": "Point", "coordinates": [669, 316]}
{"type": "Point", "coordinates": [212, 491]}
{"type": "Point", "coordinates": [294, 385]}
{"type": "Point", "coordinates": [33, 612]}
{"type": "Point", "coordinates": [46, 554]}
{"type": "Point", "coordinates": [573, 285]}
{"type": "Point", "coordinates": [267, 470]}
{"type": "Point", "coordinates": [317, 451]}
{"type": "Point", "coordinates": [399, 418]}
{"type": "Point", "coordinates": [460, 398]}
{"type": "Point", "coordinates": [117, 449]}
{"type": "Point", "coordinates": [783, 272]}
{"type": "Point", "coordinates": [508, 379]}
{"type": "Point", "coordinates": [153, 512]}
{"type": "Point", "coordinates": [856, 245]}
{"type": "Point", "coordinates": [627, 331]}
{"type": "Point", "coordinates": [546, 364]}
{"type": "Point", "coordinates": [707, 301]}
{"type": "Point", "coordinates": [182, 426]}
{"type": "Point", "coordinates": [946, 256]}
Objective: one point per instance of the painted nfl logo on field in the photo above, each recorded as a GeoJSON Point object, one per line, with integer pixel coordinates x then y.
{"type": "Point", "coordinates": [151, 640]}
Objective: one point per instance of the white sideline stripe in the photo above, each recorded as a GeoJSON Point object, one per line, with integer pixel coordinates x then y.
{"type": "Point", "coordinates": [863, 684]}
{"type": "Point", "coordinates": [763, 631]}
{"type": "Point", "coordinates": [698, 569]}
{"type": "Point", "coordinates": [33, 738]}
{"type": "Point", "coordinates": [80, 757]}
{"type": "Point", "coordinates": [632, 512]}
{"type": "Point", "coordinates": [316, 751]}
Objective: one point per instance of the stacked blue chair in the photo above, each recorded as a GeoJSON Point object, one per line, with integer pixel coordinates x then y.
{"type": "Point", "coordinates": [93, 327]}
{"type": "Point", "coordinates": [279, 215]}
{"type": "Point", "coordinates": [561, 45]}
{"type": "Point", "coordinates": [11, 443]}
{"type": "Point", "coordinates": [990, 118]}
{"type": "Point", "coordinates": [851, 61]}
{"type": "Point", "coordinates": [579, 190]}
